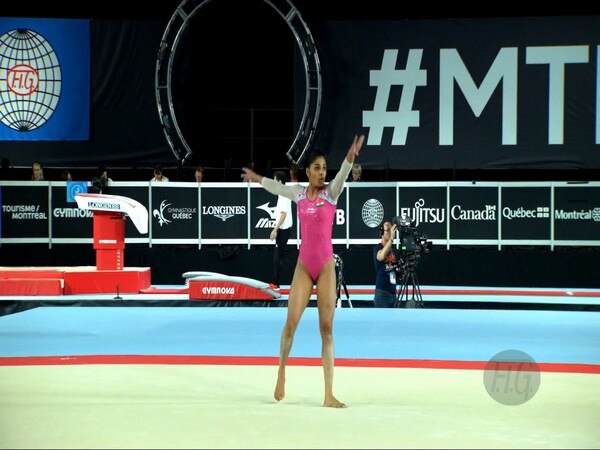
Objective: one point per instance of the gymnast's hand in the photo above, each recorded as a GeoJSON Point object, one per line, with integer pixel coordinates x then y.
{"type": "Point", "coordinates": [354, 149]}
{"type": "Point", "coordinates": [250, 175]}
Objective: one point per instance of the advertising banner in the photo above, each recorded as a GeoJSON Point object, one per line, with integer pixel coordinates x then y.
{"type": "Point", "coordinates": [370, 204]}
{"type": "Point", "coordinates": [224, 213]}
{"type": "Point", "coordinates": [576, 213]}
{"type": "Point", "coordinates": [263, 217]}
{"type": "Point", "coordinates": [526, 213]}
{"type": "Point", "coordinates": [68, 220]}
{"type": "Point", "coordinates": [174, 214]}
{"type": "Point", "coordinates": [493, 93]}
{"type": "Point", "coordinates": [473, 212]}
{"type": "Point", "coordinates": [25, 211]}
{"type": "Point", "coordinates": [136, 191]}
{"type": "Point", "coordinates": [425, 205]}
{"type": "Point", "coordinates": [45, 79]}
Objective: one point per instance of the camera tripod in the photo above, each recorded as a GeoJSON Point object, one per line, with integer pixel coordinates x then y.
{"type": "Point", "coordinates": [340, 283]}
{"type": "Point", "coordinates": [409, 278]}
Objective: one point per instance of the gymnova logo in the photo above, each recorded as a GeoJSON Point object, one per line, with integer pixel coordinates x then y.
{"type": "Point", "coordinates": [218, 290]}
{"type": "Point", "coordinates": [71, 213]}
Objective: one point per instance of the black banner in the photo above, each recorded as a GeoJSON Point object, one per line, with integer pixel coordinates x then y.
{"type": "Point", "coordinates": [224, 214]}
{"type": "Point", "coordinates": [526, 213]}
{"type": "Point", "coordinates": [137, 191]}
{"type": "Point", "coordinates": [473, 212]}
{"type": "Point", "coordinates": [262, 214]}
{"type": "Point", "coordinates": [370, 205]}
{"type": "Point", "coordinates": [577, 213]}
{"type": "Point", "coordinates": [462, 93]}
{"type": "Point", "coordinates": [538, 213]}
{"type": "Point", "coordinates": [338, 234]}
{"type": "Point", "coordinates": [25, 211]}
{"type": "Point", "coordinates": [174, 213]}
{"type": "Point", "coordinates": [426, 207]}
{"type": "Point", "coordinates": [68, 220]}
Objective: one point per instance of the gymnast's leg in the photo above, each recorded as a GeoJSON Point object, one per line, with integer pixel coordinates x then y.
{"type": "Point", "coordinates": [300, 291]}
{"type": "Point", "coordinates": [326, 299]}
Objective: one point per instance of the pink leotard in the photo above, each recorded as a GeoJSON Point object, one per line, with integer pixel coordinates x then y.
{"type": "Point", "coordinates": [316, 222]}
{"type": "Point", "coordinates": [315, 216]}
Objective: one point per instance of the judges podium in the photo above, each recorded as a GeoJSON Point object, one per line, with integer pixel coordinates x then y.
{"type": "Point", "coordinates": [110, 212]}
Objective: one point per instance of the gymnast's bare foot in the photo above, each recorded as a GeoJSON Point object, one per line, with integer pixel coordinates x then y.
{"type": "Point", "coordinates": [280, 387]}
{"type": "Point", "coordinates": [333, 402]}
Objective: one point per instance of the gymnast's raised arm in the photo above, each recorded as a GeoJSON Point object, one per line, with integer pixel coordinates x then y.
{"type": "Point", "coordinates": [271, 185]}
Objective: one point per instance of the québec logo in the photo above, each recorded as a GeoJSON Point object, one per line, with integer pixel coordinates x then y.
{"type": "Point", "coordinates": [160, 213]}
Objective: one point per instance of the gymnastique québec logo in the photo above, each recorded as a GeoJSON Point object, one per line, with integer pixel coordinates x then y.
{"type": "Point", "coordinates": [511, 377]}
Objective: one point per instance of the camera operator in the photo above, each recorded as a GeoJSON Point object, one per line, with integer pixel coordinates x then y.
{"type": "Point", "coordinates": [101, 182]}
{"type": "Point", "coordinates": [385, 258]}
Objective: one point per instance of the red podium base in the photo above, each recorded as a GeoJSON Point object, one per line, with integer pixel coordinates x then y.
{"type": "Point", "coordinates": [110, 259]}
{"type": "Point", "coordinates": [130, 280]}
{"type": "Point", "coordinates": [72, 280]}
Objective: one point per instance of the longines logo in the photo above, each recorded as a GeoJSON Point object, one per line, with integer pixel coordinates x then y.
{"type": "Point", "coordinates": [104, 205]}
{"type": "Point", "coordinates": [223, 212]}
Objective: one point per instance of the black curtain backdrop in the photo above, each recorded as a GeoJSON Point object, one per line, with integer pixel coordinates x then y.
{"type": "Point", "coordinates": [352, 54]}
{"type": "Point", "coordinates": [125, 123]}
{"type": "Point", "coordinates": [236, 101]}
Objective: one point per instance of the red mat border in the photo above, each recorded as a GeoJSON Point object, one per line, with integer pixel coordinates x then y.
{"type": "Point", "coordinates": [273, 361]}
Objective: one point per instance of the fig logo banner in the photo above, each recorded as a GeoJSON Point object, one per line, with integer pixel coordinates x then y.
{"type": "Point", "coordinates": [44, 79]}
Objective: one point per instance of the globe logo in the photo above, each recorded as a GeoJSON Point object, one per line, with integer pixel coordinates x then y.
{"type": "Point", "coordinates": [372, 213]}
{"type": "Point", "coordinates": [30, 80]}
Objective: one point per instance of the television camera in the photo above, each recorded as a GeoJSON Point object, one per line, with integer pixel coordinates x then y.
{"type": "Point", "coordinates": [413, 244]}
{"type": "Point", "coordinates": [412, 241]}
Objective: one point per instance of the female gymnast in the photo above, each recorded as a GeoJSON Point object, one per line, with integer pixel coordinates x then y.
{"type": "Point", "coordinates": [316, 209]}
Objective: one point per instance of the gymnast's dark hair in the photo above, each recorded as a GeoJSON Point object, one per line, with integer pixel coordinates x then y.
{"type": "Point", "coordinates": [314, 154]}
